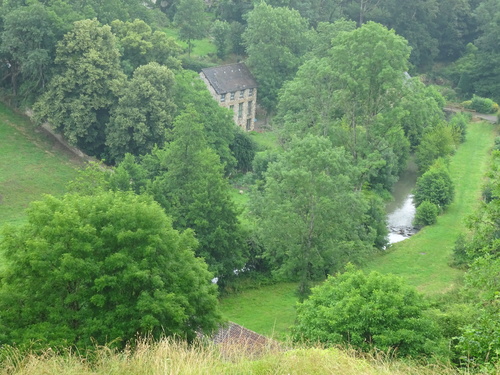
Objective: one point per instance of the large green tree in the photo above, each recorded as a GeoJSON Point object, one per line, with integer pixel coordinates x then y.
{"type": "Point", "coordinates": [191, 20]}
{"type": "Point", "coordinates": [190, 185]}
{"type": "Point", "coordinates": [367, 312]}
{"type": "Point", "coordinates": [311, 219]}
{"type": "Point", "coordinates": [144, 113]}
{"type": "Point", "coordinates": [79, 99]}
{"type": "Point", "coordinates": [218, 123]}
{"type": "Point", "coordinates": [353, 95]}
{"type": "Point", "coordinates": [101, 268]}
{"type": "Point", "coordinates": [141, 45]}
{"type": "Point", "coordinates": [276, 40]}
{"type": "Point", "coordinates": [28, 44]}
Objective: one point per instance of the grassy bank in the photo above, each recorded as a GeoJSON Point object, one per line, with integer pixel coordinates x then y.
{"type": "Point", "coordinates": [31, 164]}
{"type": "Point", "coordinates": [169, 357]}
{"type": "Point", "coordinates": [268, 310]}
{"type": "Point", "coordinates": [423, 259]}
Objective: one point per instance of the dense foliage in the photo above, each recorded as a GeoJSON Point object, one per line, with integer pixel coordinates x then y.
{"type": "Point", "coordinates": [101, 269]}
{"type": "Point", "coordinates": [366, 312]}
{"type": "Point", "coordinates": [333, 75]}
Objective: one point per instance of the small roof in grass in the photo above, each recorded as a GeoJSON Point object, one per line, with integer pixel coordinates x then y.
{"type": "Point", "coordinates": [230, 78]}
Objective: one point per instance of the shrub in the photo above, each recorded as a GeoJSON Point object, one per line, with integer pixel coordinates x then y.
{"type": "Point", "coordinates": [436, 143]}
{"type": "Point", "coordinates": [458, 123]}
{"type": "Point", "coordinates": [367, 312]}
{"type": "Point", "coordinates": [435, 186]}
{"type": "Point", "coordinates": [481, 105]}
{"type": "Point", "coordinates": [427, 213]}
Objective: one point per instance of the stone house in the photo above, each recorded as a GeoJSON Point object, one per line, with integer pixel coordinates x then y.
{"type": "Point", "coordinates": [234, 87]}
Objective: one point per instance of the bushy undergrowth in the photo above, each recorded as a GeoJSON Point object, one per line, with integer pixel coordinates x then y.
{"type": "Point", "coordinates": [172, 357]}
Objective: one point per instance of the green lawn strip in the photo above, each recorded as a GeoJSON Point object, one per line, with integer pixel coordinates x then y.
{"type": "Point", "coordinates": [265, 140]}
{"type": "Point", "coordinates": [201, 47]}
{"type": "Point", "coordinates": [423, 259]}
{"type": "Point", "coordinates": [269, 310]}
{"type": "Point", "coordinates": [30, 165]}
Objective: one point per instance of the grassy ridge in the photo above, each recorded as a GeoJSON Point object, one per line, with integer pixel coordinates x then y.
{"type": "Point", "coordinates": [171, 357]}
{"type": "Point", "coordinates": [423, 259]}
{"type": "Point", "coordinates": [30, 165]}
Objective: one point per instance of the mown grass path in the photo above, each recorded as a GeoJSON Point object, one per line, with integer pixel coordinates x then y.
{"type": "Point", "coordinates": [423, 259]}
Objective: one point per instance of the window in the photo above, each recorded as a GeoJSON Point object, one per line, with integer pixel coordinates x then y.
{"type": "Point", "coordinates": [240, 110]}
{"type": "Point", "coordinates": [232, 95]}
{"type": "Point", "coordinates": [249, 109]}
{"type": "Point", "coordinates": [231, 107]}
{"type": "Point", "coordinates": [250, 92]}
{"type": "Point", "coordinates": [242, 94]}
{"type": "Point", "coordinates": [249, 124]}
{"type": "Point", "coordinates": [222, 98]}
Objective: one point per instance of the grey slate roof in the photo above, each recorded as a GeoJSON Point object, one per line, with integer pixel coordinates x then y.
{"type": "Point", "coordinates": [230, 78]}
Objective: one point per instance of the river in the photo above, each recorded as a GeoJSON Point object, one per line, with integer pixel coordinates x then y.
{"type": "Point", "coordinates": [401, 210]}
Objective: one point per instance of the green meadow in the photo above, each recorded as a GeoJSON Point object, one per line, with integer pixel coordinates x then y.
{"type": "Point", "coordinates": [31, 164]}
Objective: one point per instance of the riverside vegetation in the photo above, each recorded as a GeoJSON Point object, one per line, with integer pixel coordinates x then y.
{"type": "Point", "coordinates": [112, 256]}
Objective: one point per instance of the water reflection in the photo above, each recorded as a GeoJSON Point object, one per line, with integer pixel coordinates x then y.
{"type": "Point", "coordinates": [401, 211]}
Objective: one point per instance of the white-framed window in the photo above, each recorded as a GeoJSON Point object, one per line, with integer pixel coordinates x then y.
{"type": "Point", "coordinates": [250, 92]}
{"type": "Point", "coordinates": [242, 94]}
{"type": "Point", "coordinates": [222, 98]}
{"type": "Point", "coordinates": [240, 110]}
{"type": "Point", "coordinates": [250, 109]}
{"type": "Point", "coordinates": [232, 95]}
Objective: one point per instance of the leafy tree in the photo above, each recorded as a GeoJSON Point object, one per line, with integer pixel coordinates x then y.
{"type": "Point", "coordinates": [233, 10]}
{"type": "Point", "coordinates": [191, 19]}
{"type": "Point", "coordinates": [28, 47]}
{"type": "Point", "coordinates": [353, 96]}
{"type": "Point", "coordinates": [140, 45]}
{"type": "Point", "coordinates": [276, 40]}
{"type": "Point", "coordinates": [426, 214]}
{"type": "Point", "coordinates": [144, 112]}
{"type": "Point", "coordinates": [195, 194]}
{"type": "Point", "coordinates": [438, 142]}
{"type": "Point", "coordinates": [311, 220]}
{"type": "Point", "coordinates": [479, 343]}
{"type": "Point", "coordinates": [454, 28]}
{"type": "Point", "coordinates": [424, 110]}
{"type": "Point", "coordinates": [79, 99]}
{"type": "Point", "coordinates": [458, 123]}
{"type": "Point", "coordinates": [220, 31]}
{"type": "Point", "coordinates": [435, 186]}
{"type": "Point", "coordinates": [317, 11]}
{"type": "Point", "coordinates": [367, 312]}
{"type": "Point", "coordinates": [101, 268]}
{"type": "Point", "coordinates": [218, 122]}
{"type": "Point", "coordinates": [243, 148]}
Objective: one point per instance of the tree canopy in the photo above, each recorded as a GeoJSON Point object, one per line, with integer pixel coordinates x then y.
{"type": "Point", "coordinates": [310, 216]}
{"type": "Point", "coordinates": [99, 269]}
{"type": "Point", "coordinates": [366, 312]}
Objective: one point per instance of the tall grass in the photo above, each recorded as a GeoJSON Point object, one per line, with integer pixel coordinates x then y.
{"type": "Point", "coordinates": [174, 357]}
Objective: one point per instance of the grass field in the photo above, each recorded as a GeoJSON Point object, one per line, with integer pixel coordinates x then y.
{"type": "Point", "coordinates": [269, 310]}
{"type": "Point", "coordinates": [423, 259]}
{"type": "Point", "coordinates": [201, 47]}
{"type": "Point", "coordinates": [31, 164]}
